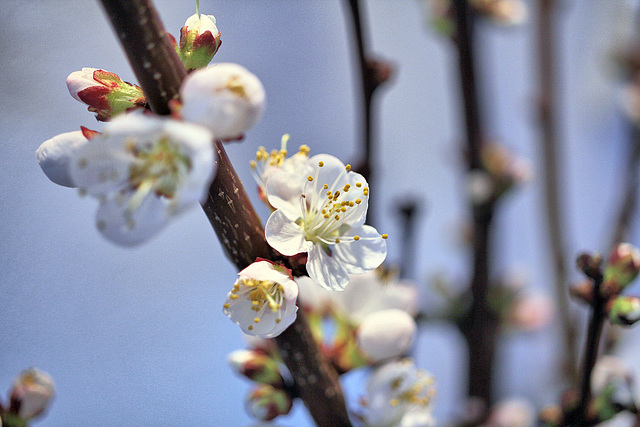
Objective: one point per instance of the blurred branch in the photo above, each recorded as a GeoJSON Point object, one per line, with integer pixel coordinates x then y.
{"type": "Point", "coordinates": [551, 181]}
{"type": "Point", "coordinates": [241, 234]}
{"type": "Point", "coordinates": [629, 200]}
{"type": "Point", "coordinates": [591, 267]}
{"type": "Point", "coordinates": [373, 73]}
{"type": "Point", "coordinates": [408, 212]}
{"type": "Point", "coordinates": [480, 326]}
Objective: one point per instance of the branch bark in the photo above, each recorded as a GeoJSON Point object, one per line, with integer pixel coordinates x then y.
{"type": "Point", "coordinates": [238, 227]}
{"type": "Point", "coordinates": [480, 327]}
{"type": "Point", "coordinates": [551, 182]}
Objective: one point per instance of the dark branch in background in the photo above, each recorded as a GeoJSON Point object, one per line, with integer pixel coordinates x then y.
{"type": "Point", "coordinates": [551, 181]}
{"type": "Point", "coordinates": [373, 73]}
{"type": "Point", "coordinates": [160, 73]}
{"type": "Point", "coordinates": [629, 199]}
{"type": "Point", "coordinates": [591, 266]}
{"type": "Point", "coordinates": [408, 212]}
{"type": "Point", "coordinates": [480, 326]}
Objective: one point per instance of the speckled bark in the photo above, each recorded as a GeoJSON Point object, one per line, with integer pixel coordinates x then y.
{"type": "Point", "coordinates": [238, 227]}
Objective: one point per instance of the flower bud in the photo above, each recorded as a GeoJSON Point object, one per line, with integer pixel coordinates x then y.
{"type": "Point", "coordinates": [104, 92]}
{"type": "Point", "coordinates": [532, 312]}
{"type": "Point", "coordinates": [256, 366]}
{"type": "Point", "coordinates": [199, 41]}
{"type": "Point", "coordinates": [32, 391]}
{"type": "Point", "coordinates": [625, 310]}
{"type": "Point", "coordinates": [266, 402]}
{"type": "Point", "coordinates": [515, 412]}
{"type": "Point", "coordinates": [225, 97]}
{"type": "Point", "coordinates": [622, 267]}
{"type": "Point", "coordinates": [386, 333]}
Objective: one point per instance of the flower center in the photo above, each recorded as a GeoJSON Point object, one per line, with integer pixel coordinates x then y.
{"type": "Point", "coordinates": [263, 294]}
{"type": "Point", "coordinates": [421, 393]}
{"type": "Point", "coordinates": [161, 167]}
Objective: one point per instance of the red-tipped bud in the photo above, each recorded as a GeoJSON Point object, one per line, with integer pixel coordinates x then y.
{"type": "Point", "coordinates": [256, 366]}
{"type": "Point", "coordinates": [266, 402]}
{"type": "Point", "coordinates": [622, 268]}
{"type": "Point", "coordinates": [104, 92]}
{"type": "Point", "coordinates": [199, 41]}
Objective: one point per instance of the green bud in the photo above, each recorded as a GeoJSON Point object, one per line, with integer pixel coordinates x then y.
{"type": "Point", "coordinates": [625, 310]}
{"type": "Point", "coordinates": [256, 366]}
{"type": "Point", "coordinates": [199, 41]}
{"type": "Point", "coordinates": [266, 402]}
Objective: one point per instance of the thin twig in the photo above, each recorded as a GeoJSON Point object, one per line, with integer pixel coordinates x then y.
{"type": "Point", "coordinates": [241, 234]}
{"type": "Point", "coordinates": [551, 181]}
{"type": "Point", "coordinates": [373, 73]}
{"type": "Point", "coordinates": [629, 199]}
{"type": "Point", "coordinates": [480, 326]}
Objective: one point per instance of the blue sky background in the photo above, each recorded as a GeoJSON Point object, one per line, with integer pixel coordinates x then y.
{"type": "Point", "coordinates": [137, 337]}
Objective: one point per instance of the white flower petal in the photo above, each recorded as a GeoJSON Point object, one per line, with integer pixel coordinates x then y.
{"type": "Point", "coordinates": [54, 156]}
{"type": "Point", "coordinates": [101, 166]}
{"type": "Point", "coordinates": [81, 80]}
{"type": "Point", "coordinates": [284, 193]}
{"type": "Point", "coordinates": [385, 334]}
{"type": "Point", "coordinates": [285, 236]}
{"type": "Point", "coordinates": [265, 270]}
{"type": "Point", "coordinates": [130, 228]}
{"type": "Point", "coordinates": [418, 418]}
{"type": "Point", "coordinates": [314, 296]}
{"type": "Point", "coordinates": [325, 270]}
{"type": "Point", "coordinates": [361, 255]}
{"type": "Point", "coordinates": [332, 173]}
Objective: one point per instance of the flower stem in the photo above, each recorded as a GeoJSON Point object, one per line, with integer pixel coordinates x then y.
{"type": "Point", "coordinates": [160, 73]}
{"type": "Point", "coordinates": [548, 128]}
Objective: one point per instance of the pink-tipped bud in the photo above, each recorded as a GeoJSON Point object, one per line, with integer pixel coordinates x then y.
{"type": "Point", "coordinates": [622, 268]}
{"type": "Point", "coordinates": [31, 393]}
{"type": "Point", "coordinates": [104, 92]}
{"type": "Point", "coordinates": [256, 366]}
{"type": "Point", "coordinates": [199, 41]}
{"type": "Point", "coordinates": [266, 402]}
{"type": "Point", "coordinates": [625, 310]}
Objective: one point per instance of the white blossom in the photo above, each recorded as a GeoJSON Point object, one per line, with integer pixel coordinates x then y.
{"type": "Point", "coordinates": [225, 97]}
{"type": "Point", "coordinates": [263, 300]}
{"type": "Point", "coordinates": [144, 170]}
{"type": "Point", "coordinates": [54, 156]}
{"type": "Point", "coordinates": [268, 163]}
{"type": "Point", "coordinates": [399, 394]}
{"type": "Point", "coordinates": [514, 412]}
{"type": "Point", "coordinates": [385, 334]}
{"type": "Point", "coordinates": [322, 213]}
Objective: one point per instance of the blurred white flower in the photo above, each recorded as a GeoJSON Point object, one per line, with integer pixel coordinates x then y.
{"type": "Point", "coordinates": [144, 170]}
{"type": "Point", "coordinates": [32, 392]}
{"type": "Point", "coordinates": [385, 334]}
{"type": "Point", "coordinates": [608, 370]}
{"type": "Point", "coordinates": [532, 312]}
{"type": "Point", "coordinates": [314, 297]}
{"type": "Point", "coordinates": [376, 290]}
{"type": "Point", "coordinates": [263, 300]}
{"type": "Point", "coordinates": [54, 156]}
{"type": "Point", "coordinates": [399, 394]}
{"type": "Point", "coordinates": [225, 97]}
{"type": "Point", "coordinates": [513, 412]}
{"type": "Point", "coordinates": [322, 212]}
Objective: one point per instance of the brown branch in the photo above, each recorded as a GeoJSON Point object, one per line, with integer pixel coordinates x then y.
{"type": "Point", "coordinates": [373, 73]}
{"type": "Point", "coordinates": [480, 326]}
{"type": "Point", "coordinates": [160, 73]}
{"type": "Point", "coordinates": [551, 181]}
{"type": "Point", "coordinates": [579, 416]}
